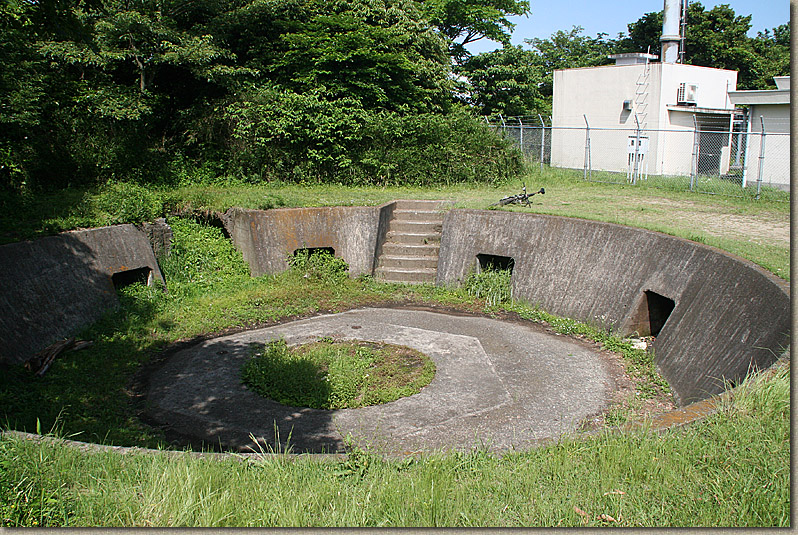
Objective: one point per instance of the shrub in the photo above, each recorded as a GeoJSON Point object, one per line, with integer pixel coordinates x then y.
{"type": "Point", "coordinates": [277, 134]}
{"type": "Point", "coordinates": [319, 266]}
{"type": "Point", "coordinates": [200, 257]}
{"type": "Point", "coordinates": [123, 202]}
{"type": "Point", "coordinates": [493, 285]}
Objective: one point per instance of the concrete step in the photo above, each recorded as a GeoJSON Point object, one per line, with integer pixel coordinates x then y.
{"type": "Point", "coordinates": [423, 205]}
{"type": "Point", "coordinates": [421, 238]}
{"type": "Point", "coordinates": [418, 215]}
{"type": "Point", "coordinates": [415, 227]}
{"type": "Point", "coordinates": [405, 249]}
{"type": "Point", "coordinates": [389, 262]}
{"type": "Point", "coordinates": [406, 275]}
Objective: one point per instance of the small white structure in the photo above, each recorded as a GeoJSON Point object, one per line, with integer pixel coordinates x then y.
{"type": "Point", "coordinates": [614, 101]}
{"type": "Point", "coordinates": [768, 113]}
{"type": "Point", "coordinates": [646, 115]}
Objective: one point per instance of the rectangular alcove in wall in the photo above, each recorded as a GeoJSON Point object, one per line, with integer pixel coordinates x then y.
{"type": "Point", "coordinates": [310, 251]}
{"type": "Point", "coordinates": [650, 314]}
{"type": "Point", "coordinates": [141, 275]}
{"type": "Point", "coordinates": [490, 262]}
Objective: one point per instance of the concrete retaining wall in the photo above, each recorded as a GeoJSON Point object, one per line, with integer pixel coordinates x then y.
{"type": "Point", "coordinates": [52, 287]}
{"type": "Point", "coordinates": [729, 314]}
{"type": "Point", "coordinates": [268, 237]}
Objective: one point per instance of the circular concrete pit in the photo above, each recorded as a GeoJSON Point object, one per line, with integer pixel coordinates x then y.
{"type": "Point", "coordinates": [499, 384]}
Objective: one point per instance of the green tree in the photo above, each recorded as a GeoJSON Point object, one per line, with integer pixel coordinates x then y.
{"type": "Point", "coordinates": [644, 35]}
{"type": "Point", "coordinates": [773, 52]}
{"type": "Point", "coordinates": [21, 93]}
{"type": "Point", "coordinates": [112, 85]}
{"type": "Point", "coordinates": [465, 21]}
{"type": "Point", "coordinates": [505, 81]}
{"type": "Point", "coordinates": [569, 50]}
{"type": "Point", "coordinates": [382, 53]}
{"type": "Point", "coordinates": [291, 89]}
{"type": "Point", "coordinates": [718, 38]}
{"type": "Point", "coordinates": [128, 43]}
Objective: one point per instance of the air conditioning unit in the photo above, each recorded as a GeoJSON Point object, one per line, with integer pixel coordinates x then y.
{"type": "Point", "coordinates": [686, 95]}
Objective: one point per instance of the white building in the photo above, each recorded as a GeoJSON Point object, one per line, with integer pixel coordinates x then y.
{"type": "Point", "coordinates": [768, 112]}
{"type": "Point", "coordinates": [667, 100]}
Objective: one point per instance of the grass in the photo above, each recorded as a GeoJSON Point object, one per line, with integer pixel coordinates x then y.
{"type": "Point", "coordinates": [330, 374]}
{"type": "Point", "coordinates": [492, 285]}
{"type": "Point", "coordinates": [731, 469]}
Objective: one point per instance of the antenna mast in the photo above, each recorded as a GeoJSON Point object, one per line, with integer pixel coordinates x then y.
{"type": "Point", "coordinates": [683, 30]}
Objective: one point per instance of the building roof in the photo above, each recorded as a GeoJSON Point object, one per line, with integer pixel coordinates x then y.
{"type": "Point", "coordinates": [761, 96]}
{"type": "Point", "coordinates": [780, 95]}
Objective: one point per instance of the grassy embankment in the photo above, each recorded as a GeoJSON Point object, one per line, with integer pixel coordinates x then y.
{"type": "Point", "coordinates": [732, 469]}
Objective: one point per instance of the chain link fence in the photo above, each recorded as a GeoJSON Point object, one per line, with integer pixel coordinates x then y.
{"type": "Point", "coordinates": [733, 155]}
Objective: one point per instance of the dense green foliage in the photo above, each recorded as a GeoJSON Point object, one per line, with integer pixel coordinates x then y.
{"type": "Point", "coordinates": [465, 21]}
{"type": "Point", "coordinates": [344, 91]}
{"type": "Point", "coordinates": [505, 81]}
{"type": "Point", "coordinates": [298, 90]}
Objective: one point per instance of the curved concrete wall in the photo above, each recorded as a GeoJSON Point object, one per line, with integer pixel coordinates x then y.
{"type": "Point", "coordinates": [729, 314]}
{"type": "Point", "coordinates": [52, 287]}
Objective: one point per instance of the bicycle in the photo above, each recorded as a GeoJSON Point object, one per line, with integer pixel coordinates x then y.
{"type": "Point", "coordinates": [522, 198]}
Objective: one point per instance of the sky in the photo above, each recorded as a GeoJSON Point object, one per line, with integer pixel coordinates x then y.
{"type": "Point", "coordinates": [612, 17]}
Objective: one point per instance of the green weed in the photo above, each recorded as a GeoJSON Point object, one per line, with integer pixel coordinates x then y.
{"type": "Point", "coordinates": [492, 285]}
{"type": "Point", "coordinates": [335, 375]}
{"type": "Point", "coordinates": [318, 266]}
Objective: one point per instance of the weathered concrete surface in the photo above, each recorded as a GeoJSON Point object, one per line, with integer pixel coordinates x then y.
{"type": "Point", "coordinates": [504, 385]}
{"type": "Point", "coordinates": [52, 287]}
{"type": "Point", "coordinates": [267, 238]}
{"type": "Point", "coordinates": [730, 315]}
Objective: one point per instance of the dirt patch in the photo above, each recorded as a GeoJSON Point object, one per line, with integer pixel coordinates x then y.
{"type": "Point", "coordinates": [768, 228]}
{"type": "Point", "coordinates": [767, 231]}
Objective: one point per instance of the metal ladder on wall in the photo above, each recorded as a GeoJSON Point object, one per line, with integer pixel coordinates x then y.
{"type": "Point", "coordinates": [641, 122]}
{"type": "Point", "coordinates": [641, 95]}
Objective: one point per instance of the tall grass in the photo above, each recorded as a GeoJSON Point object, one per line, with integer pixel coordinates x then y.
{"type": "Point", "coordinates": [492, 285]}
{"type": "Point", "coordinates": [730, 470]}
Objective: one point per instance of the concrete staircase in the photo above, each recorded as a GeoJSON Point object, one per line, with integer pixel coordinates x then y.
{"type": "Point", "coordinates": [410, 251]}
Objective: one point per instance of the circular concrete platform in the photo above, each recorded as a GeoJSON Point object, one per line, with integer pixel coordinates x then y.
{"type": "Point", "coordinates": [498, 384]}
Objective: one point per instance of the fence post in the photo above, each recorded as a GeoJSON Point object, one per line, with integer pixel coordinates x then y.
{"type": "Point", "coordinates": [636, 168]}
{"type": "Point", "coordinates": [745, 138]}
{"type": "Point", "coordinates": [521, 134]}
{"type": "Point", "coordinates": [694, 162]}
{"type": "Point", "coordinates": [761, 158]}
{"type": "Point", "coordinates": [542, 140]}
{"type": "Point", "coordinates": [588, 165]}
